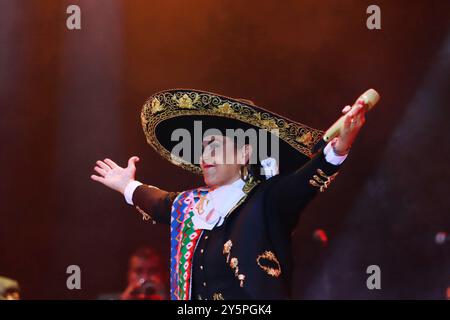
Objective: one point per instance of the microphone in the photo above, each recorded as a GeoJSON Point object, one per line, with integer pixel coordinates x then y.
{"type": "Point", "coordinates": [368, 99]}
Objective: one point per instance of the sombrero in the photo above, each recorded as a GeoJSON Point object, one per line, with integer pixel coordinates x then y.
{"type": "Point", "coordinates": [169, 110]}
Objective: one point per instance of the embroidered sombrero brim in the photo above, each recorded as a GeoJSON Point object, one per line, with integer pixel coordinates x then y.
{"type": "Point", "coordinates": [166, 111]}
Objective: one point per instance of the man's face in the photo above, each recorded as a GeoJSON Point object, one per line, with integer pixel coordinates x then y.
{"type": "Point", "coordinates": [220, 161]}
{"type": "Point", "coordinates": [13, 295]}
{"type": "Point", "coordinates": [144, 270]}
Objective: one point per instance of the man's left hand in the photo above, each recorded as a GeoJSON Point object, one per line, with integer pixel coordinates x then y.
{"type": "Point", "coordinates": [354, 120]}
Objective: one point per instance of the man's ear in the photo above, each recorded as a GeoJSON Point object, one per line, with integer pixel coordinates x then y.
{"type": "Point", "coordinates": [246, 154]}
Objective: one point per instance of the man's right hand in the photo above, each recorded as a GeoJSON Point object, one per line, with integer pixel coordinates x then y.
{"type": "Point", "coordinates": [114, 176]}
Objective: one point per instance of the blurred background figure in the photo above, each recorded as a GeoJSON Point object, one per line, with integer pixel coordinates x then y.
{"type": "Point", "coordinates": [9, 289]}
{"type": "Point", "coordinates": [146, 276]}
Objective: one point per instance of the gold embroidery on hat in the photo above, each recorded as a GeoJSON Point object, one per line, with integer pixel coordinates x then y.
{"type": "Point", "coordinates": [225, 108]}
{"type": "Point", "coordinates": [156, 106]}
{"type": "Point", "coordinates": [270, 256]}
{"type": "Point", "coordinates": [305, 139]}
{"type": "Point", "coordinates": [184, 103]}
{"type": "Point", "coordinates": [267, 121]}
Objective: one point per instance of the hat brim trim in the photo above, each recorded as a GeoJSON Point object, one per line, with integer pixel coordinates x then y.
{"type": "Point", "coordinates": [175, 103]}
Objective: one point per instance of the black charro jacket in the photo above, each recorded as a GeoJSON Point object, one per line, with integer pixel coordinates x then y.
{"type": "Point", "coordinates": [249, 255]}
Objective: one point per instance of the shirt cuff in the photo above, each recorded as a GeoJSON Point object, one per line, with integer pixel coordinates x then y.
{"type": "Point", "coordinates": [332, 157]}
{"type": "Point", "coordinates": [129, 190]}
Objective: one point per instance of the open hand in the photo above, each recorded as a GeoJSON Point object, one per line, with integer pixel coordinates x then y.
{"type": "Point", "coordinates": [114, 176]}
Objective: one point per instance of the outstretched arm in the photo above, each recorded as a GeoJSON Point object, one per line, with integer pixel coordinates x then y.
{"type": "Point", "coordinates": [289, 194]}
{"type": "Point", "coordinates": [153, 203]}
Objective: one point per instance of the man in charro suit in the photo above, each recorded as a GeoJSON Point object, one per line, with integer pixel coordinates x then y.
{"type": "Point", "coordinates": [231, 238]}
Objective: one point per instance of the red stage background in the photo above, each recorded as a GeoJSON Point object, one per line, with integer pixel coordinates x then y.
{"type": "Point", "coordinates": [68, 98]}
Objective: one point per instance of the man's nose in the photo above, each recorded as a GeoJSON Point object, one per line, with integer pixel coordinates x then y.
{"type": "Point", "coordinates": [207, 158]}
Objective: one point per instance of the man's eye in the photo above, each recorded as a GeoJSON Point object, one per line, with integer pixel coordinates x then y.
{"type": "Point", "coordinates": [210, 146]}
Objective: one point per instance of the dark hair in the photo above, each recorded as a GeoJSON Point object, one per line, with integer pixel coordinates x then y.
{"type": "Point", "coordinates": [145, 253]}
{"type": "Point", "coordinates": [255, 171]}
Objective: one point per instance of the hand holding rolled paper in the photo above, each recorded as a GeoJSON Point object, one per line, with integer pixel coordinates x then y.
{"type": "Point", "coordinates": [346, 128]}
